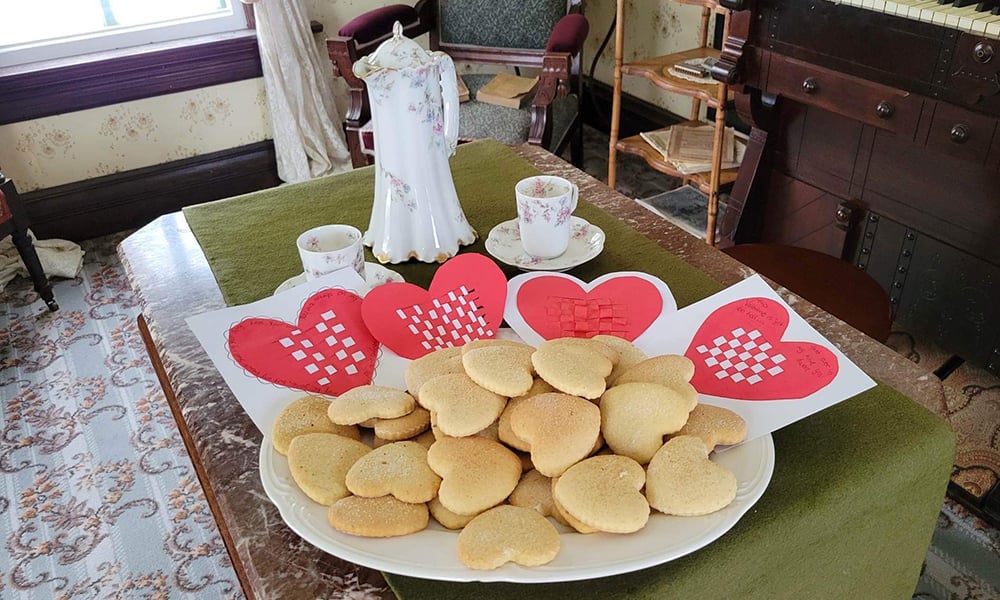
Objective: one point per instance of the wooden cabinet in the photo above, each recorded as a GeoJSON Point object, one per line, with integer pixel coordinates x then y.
{"type": "Point", "coordinates": [712, 94]}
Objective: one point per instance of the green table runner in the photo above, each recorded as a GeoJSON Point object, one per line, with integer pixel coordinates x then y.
{"type": "Point", "coordinates": [249, 240]}
{"type": "Point", "coordinates": [856, 489]}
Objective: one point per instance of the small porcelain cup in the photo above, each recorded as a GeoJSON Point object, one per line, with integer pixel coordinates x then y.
{"type": "Point", "coordinates": [329, 248]}
{"type": "Point", "coordinates": [544, 205]}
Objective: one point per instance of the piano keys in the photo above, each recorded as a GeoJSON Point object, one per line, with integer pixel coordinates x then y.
{"type": "Point", "coordinates": [979, 17]}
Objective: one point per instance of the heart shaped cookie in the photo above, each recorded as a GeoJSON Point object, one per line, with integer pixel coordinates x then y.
{"type": "Point", "coordinates": [503, 368]}
{"type": "Point", "coordinates": [365, 402]}
{"type": "Point", "coordinates": [681, 480]}
{"type": "Point", "coordinates": [307, 414]}
{"type": "Point", "coordinates": [573, 367]}
{"type": "Point", "coordinates": [458, 406]}
{"type": "Point", "coordinates": [559, 429]}
{"type": "Point", "coordinates": [476, 473]}
{"type": "Point", "coordinates": [716, 426]}
{"type": "Point", "coordinates": [319, 463]}
{"type": "Point", "coordinates": [399, 469]}
{"type": "Point", "coordinates": [604, 492]}
{"type": "Point", "coordinates": [507, 534]}
{"type": "Point", "coordinates": [636, 416]}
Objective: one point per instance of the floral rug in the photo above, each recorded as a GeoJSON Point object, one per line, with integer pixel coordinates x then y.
{"type": "Point", "coordinates": [98, 498]}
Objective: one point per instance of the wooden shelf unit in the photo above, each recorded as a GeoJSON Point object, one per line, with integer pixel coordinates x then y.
{"type": "Point", "coordinates": [713, 94]}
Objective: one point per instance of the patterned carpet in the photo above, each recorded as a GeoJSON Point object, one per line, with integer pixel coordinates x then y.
{"type": "Point", "coordinates": [99, 500]}
{"type": "Point", "coordinates": [98, 497]}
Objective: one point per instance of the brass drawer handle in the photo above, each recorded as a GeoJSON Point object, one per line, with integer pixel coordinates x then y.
{"type": "Point", "coordinates": [960, 133]}
{"type": "Point", "coordinates": [810, 86]}
{"type": "Point", "coordinates": [884, 110]}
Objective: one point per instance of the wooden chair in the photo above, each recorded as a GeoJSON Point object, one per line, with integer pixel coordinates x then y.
{"type": "Point", "coordinates": [543, 34]}
{"type": "Point", "coordinates": [14, 222]}
{"type": "Point", "coordinates": [835, 285]}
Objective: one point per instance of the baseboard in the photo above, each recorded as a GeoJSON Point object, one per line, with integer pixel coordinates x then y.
{"type": "Point", "coordinates": [103, 205]}
{"type": "Point", "coordinates": [636, 114]}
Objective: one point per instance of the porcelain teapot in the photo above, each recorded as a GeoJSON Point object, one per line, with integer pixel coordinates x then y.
{"type": "Point", "coordinates": [414, 101]}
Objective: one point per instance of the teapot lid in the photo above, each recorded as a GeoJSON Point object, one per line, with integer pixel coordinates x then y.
{"type": "Point", "coordinates": [398, 52]}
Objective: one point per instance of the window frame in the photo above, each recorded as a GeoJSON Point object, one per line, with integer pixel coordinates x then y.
{"type": "Point", "coordinates": [42, 89]}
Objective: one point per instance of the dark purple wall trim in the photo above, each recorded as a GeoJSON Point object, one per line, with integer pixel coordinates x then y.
{"type": "Point", "coordinates": [44, 89]}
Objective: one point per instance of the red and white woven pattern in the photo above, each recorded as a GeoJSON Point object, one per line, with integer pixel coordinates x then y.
{"type": "Point", "coordinates": [742, 357]}
{"type": "Point", "coordinates": [321, 351]}
{"type": "Point", "coordinates": [451, 319]}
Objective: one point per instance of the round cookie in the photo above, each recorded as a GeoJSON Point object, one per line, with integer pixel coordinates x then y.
{"type": "Point", "coordinates": [399, 469]}
{"type": "Point", "coordinates": [716, 426]}
{"type": "Point", "coordinates": [603, 492]}
{"type": "Point", "coordinates": [476, 473]}
{"type": "Point", "coordinates": [307, 414]}
{"type": "Point", "coordinates": [507, 534]}
{"type": "Point", "coordinates": [319, 463]}
{"type": "Point", "coordinates": [636, 416]}
{"type": "Point", "coordinates": [380, 517]}
{"type": "Point", "coordinates": [365, 402]}
{"type": "Point", "coordinates": [681, 480]}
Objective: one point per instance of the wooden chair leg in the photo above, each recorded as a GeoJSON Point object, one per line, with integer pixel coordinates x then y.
{"type": "Point", "coordinates": [27, 251]}
{"type": "Point", "coordinates": [576, 145]}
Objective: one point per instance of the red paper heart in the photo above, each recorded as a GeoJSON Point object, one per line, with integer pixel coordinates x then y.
{"type": "Point", "coordinates": [738, 354]}
{"type": "Point", "coordinates": [558, 307]}
{"type": "Point", "coordinates": [328, 351]}
{"type": "Point", "coordinates": [464, 302]}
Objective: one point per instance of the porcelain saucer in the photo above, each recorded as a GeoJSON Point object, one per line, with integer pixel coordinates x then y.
{"type": "Point", "coordinates": [585, 242]}
{"type": "Point", "coordinates": [375, 275]}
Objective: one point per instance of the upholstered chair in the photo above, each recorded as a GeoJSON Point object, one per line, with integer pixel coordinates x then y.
{"type": "Point", "coordinates": [545, 35]}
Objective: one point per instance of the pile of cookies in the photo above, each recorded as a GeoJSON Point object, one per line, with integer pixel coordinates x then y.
{"type": "Point", "coordinates": [494, 436]}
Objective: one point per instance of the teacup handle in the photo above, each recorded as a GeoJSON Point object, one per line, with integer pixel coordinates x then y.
{"type": "Point", "coordinates": [575, 196]}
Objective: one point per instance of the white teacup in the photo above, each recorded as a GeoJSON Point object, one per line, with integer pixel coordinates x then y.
{"type": "Point", "coordinates": [544, 206]}
{"type": "Point", "coordinates": [329, 248]}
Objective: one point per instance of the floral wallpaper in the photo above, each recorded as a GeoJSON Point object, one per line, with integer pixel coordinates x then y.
{"type": "Point", "coordinates": [76, 146]}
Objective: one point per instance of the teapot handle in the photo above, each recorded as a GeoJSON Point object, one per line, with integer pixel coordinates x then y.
{"type": "Point", "coordinates": [449, 95]}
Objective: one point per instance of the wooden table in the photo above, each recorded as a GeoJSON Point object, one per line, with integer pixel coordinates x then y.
{"type": "Point", "coordinates": [172, 280]}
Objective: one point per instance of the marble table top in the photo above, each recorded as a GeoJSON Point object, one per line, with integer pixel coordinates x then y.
{"type": "Point", "coordinates": [172, 280]}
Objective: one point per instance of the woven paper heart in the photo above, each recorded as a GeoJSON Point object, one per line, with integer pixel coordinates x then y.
{"type": "Point", "coordinates": [464, 302]}
{"type": "Point", "coordinates": [328, 351]}
{"type": "Point", "coordinates": [554, 305]}
{"type": "Point", "coordinates": [738, 354]}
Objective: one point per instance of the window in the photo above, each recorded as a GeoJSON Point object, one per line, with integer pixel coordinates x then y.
{"type": "Point", "coordinates": [39, 30]}
{"type": "Point", "coordinates": [191, 55]}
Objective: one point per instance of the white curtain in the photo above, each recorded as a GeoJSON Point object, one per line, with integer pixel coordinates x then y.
{"type": "Point", "coordinates": [299, 85]}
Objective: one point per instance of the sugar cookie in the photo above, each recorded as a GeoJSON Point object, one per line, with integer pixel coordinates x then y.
{"type": "Point", "coordinates": [440, 362]}
{"type": "Point", "coordinates": [681, 480]}
{"type": "Point", "coordinates": [405, 427]}
{"type": "Point", "coordinates": [399, 469]}
{"type": "Point", "coordinates": [560, 430]}
{"type": "Point", "coordinates": [603, 492]}
{"type": "Point", "coordinates": [319, 463]}
{"type": "Point", "coordinates": [380, 517]}
{"type": "Point", "coordinates": [370, 402]}
{"type": "Point", "coordinates": [460, 406]}
{"type": "Point", "coordinates": [507, 534]}
{"type": "Point", "coordinates": [504, 369]}
{"type": "Point", "coordinates": [628, 354]}
{"type": "Point", "coordinates": [636, 416]}
{"type": "Point", "coordinates": [306, 414]}
{"type": "Point", "coordinates": [476, 473]}
{"type": "Point", "coordinates": [716, 426]}
{"type": "Point", "coordinates": [572, 367]}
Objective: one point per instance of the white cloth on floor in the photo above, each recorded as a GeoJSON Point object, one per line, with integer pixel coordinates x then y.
{"type": "Point", "coordinates": [59, 258]}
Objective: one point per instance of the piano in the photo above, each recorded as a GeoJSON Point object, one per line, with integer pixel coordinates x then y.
{"type": "Point", "coordinates": [874, 137]}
